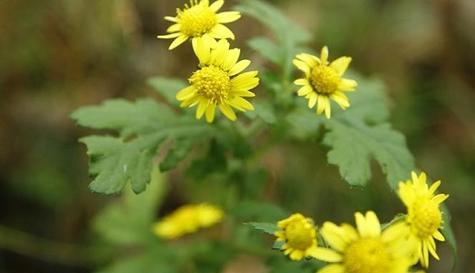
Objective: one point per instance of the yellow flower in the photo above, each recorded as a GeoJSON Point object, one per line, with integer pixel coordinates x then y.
{"type": "Point", "coordinates": [323, 81]}
{"type": "Point", "coordinates": [187, 219]}
{"type": "Point", "coordinates": [365, 249]}
{"type": "Point", "coordinates": [423, 214]}
{"type": "Point", "coordinates": [200, 20]}
{"type": "Point", "coordinates": [299, 236]}
{"type": "Point", "coordinates": [218, 82]}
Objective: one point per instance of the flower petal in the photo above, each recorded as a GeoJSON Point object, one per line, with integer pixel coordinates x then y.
{"type": "Point", "coordinates": [210, 112]}
{"type": "Point", "coordinates": [332, 268]}
{"type": "Point", "coordinates": [185, 93]}
{"type": "Point", "coordinates": [239, 67]}
{"type": "Point", "coordinates": [341, 64]}
{"type": "Point", "coordinates": [326, 255]}
{"type": "Point", "coordinates": [222, 32]}
{"type": "Point", "coordinates": [217, 5]}
{"type": "Point", "coordinates": [228, 16]}
{"type": "Point", "coordinates": [178, 41]}
{"type": "Point", "coordinates": [201, 49]}
{"type": "Point", "coordinates": [241, 104]}
{"type": "Point", "coordinates": [227, 111]}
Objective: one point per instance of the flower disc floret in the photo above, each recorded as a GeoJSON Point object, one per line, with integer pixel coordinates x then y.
{"type": "Point", "coordinates": [425, 217]}
{"type": "Point", "coordinates": [212, 83]}
{"type": "Point", "coordinates": [324, 79]}
{"type": "Point", "coordinates": [197, 20]}
{"type": "Point", "coordinates": [367, 255]}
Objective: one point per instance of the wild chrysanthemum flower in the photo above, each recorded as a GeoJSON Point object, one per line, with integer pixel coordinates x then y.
{"type": "Point", "coordinates": [323, 81]}
{"type": "Point", "coordinates": [365, 249]}
{"type": "Point", "coordinates": [187, 219]}
{"type": "Point", "coordinates": [200, 20]}
{"type": "Point", "coordinates": [218, 82]}
{"type": "Point", "coordinates": [299, 236]}
{"type": "Point", "coordinates": [423, 214]}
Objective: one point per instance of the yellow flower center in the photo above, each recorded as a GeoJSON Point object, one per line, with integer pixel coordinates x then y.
{"type": "Point", "coordinates": [212, 83]}
{"type": "Point", "coordinates": [324, 79]}
{"type": "Point", "coordinates": [197, 20]}
{"type": "Point", "coordinates": [367, 255]}
{"type": "Point", "coordinates": [299, 235]}
{"type": "Point", "coordinates": [425, 217]}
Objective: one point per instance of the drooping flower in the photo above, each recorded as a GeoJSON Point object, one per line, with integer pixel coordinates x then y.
{"type": "Point", "coordinates": [219, 82]}
{"type": "Point", "coordinates": [188, 219]}
{"type": "Point", "coordinates": [323, 81]}
{"type": "Point", "coordinates": [299, 236]}
{"type": "Point", "coordinates": [200, 20]}
{"type": "Point", "coordinates": [365, 249]}
{"type": "Point", "coordinates": [424, 215]}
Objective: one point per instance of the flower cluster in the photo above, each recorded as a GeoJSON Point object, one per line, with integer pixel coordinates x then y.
{"type": "Point", "coordinates": [219, 82]}
{"type": "Point", "coordinates": [368, 248]}
{"type": "Point", "coordinates": [187, 219]}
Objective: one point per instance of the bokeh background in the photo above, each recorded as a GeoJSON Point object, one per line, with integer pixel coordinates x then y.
{"type": "Point", "coordinates": [58, 55]}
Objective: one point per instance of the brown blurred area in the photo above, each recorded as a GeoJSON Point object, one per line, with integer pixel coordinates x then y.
{"type": "Point", "coordinates": [58, 55]}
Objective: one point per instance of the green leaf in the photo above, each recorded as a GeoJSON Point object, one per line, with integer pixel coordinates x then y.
{"type": "Point", "coordinates": [267, 49]}
{"type": "Point", "coordinates": [268, 228]}
{"type": "Point", "coordinates": [448, 233]}
{"type": "Point", "coordinates": [129, 220]}
{"type": "Point", "coordinates": [167, 87]}
{"type": "Point", "coordinates": [304, 123]}
{"type": "Point", "coordinates": [143, 126]}
{"type": "Point", "coordinates": [128, 118]}
{"type": "Point", "coordinates": [180, 150]}
{"type": "Point", "coordinates": [353, 144]}
{"type": "Point", "coordinates": [362, 133]}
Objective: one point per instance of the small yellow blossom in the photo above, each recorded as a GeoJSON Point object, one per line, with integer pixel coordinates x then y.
{"type": "Point", "coordinates": [187, 219]}
{"type": "Point", "coordinates": [423, 214]}
{"type": "Point", "coordinates": [365, 249]}
{"type": "Point", "coordinates": [200, 20]}
{"type": "Point", "coordinates": [299, 236]}
{"type": "Point", "coordinates": [323, 81]}
{"type": "Point", "coordinates": [219, 82]}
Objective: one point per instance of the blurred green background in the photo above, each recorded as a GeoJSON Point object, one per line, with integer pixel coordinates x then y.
{"type": "Point", "coordinates": [58, 55]}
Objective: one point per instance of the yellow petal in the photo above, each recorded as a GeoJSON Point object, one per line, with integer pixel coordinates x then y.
{"type": "Point", "coordinates": [305, 90]}
{"type": "Point", "coordinates": [239, 67]}
{"type": "Point", "coordinates": [438, 236]}
{"type": "Point", "coordinates": [328, 109]}
{"type": "Point", "coordinates": [169, 36]}
{"type": "Point", "coordinates": [185, 93]}
{"type": "Point", "coordinates": [301, 82]}
{"type": "Point", "coordinates": [434, 187]}
{"type": "Point", "coordinates": [171, 19]}
{"type": "Point", "coordinates": [217, 5]}
{"type": "Point", "coordinates": [231, 58]}
{"type": "Point", "coordinates": [245, 81]}
{"type": "Point", "coordinates": [341, 99]}
{"type": "Point", "coordinates": [326, 255]}
{"type": "Point", "coordinates": [310, 60]}
{"type": "Point", "coordinates": [218, 54]}
{"type": "Point", "coordinates": [243, 93]}
{"type": "Point", "coordinates": [302, 66]}
{"type": "Point", "coordinates": [210, 112]}
{"type": "Point", "coordinates": [227, 111]}
{"type": "Point", "coordinates": [312, 100]}
{"type": "Point", "coordinates": [439, 198]}
{"type": "Point", "coordinates": [241, 104]}
{"type": "Point", "coordinates": [321, 104]}
{"type": "Point", "coordinates": [296, 255]}
{"type": "Point", "coordinates": [347, 85]}
{"type": "Point", "coordinates": [324, 55]}
{"type": "Point", "coordinates": [332, 268]}
{"type": "Point", "coordinates": [341, 64]}
{"type": "Point", "coordinates": [333, 236]}
{"type": "Point", "coordinates": [221, 32]}
{"type": "Point", "coordinates": [178, 41]}
{"type": "Point", "coordinates": [201, 49]}
{"type": "Point", "coordinates": [228, 17]}
{"type": "Point", "coordinates": [202, 106]}
{"type": "Point", "coordinates": [372, 224]}
{"type": "Point", "coordinates": [174, 28]}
